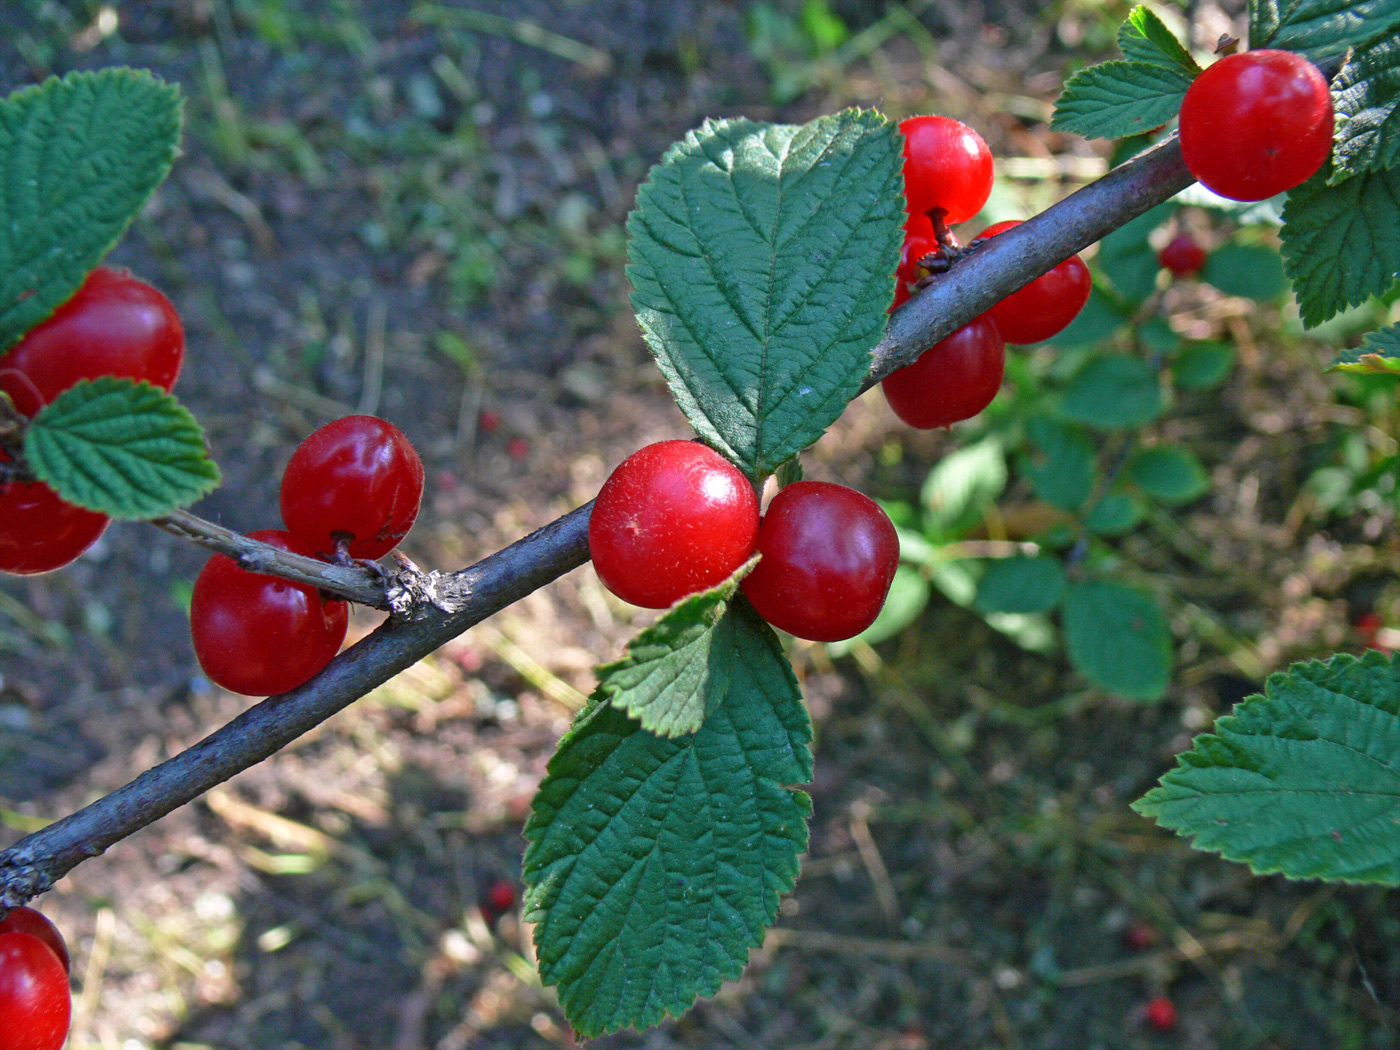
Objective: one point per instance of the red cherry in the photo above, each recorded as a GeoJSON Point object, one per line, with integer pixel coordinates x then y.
{"type": "Point", "coordinates": [35, 1002]}
{"type": "Point", "coordinates": [500, 898]}
{"type": "Point", "coordinates": [518, 448]}
{"type": "Point", "coordinates": [262, 635]}
{"type": "Point", "coordinates": [952, 380]}
{"type": "Point", "coordinates": [1256, 124]}
{"type": "Point", "coordinates": [829, 555]}
{"type": "Point", "coordinates": [1161, 1014]}
{"type": "Point", "coordinates": [488, 420]}
{"type": "Point", "coordinates": [357, 478]}
{"type": "Point", "coordinates": [38, 531]}
{"type": "Point", "coordinates": [113, 325]}
{"type": "Point", "coordinates": [1182, 256]}
{"type": "Point", "coordinates": [1139, 937]}
{"type": "Point", "coordinates": [946, 165]}
{"type": "Point", "coordinates": [1047, 305]}
{"type": "Point", "coordinates": [27, 920]}
{"type": "Point", "coordinates": [674, 518]}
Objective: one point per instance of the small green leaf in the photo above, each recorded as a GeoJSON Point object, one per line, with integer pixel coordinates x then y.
{"type": "Point", "coordinates": [909, 594]}
{"type": "Point", "coordinates": [1303, 781]}
{"type": "Point", "coordinates": [1249, 270]}
{"type": "Point", "coordinates": [1020, 585]}
{"type": "Point", "coordinates": [1100, 318]}
{"type": "Point", "coordinates": [1201, 366]}
{"type": "Point", "coordinates": [961, 487]}
{"type": "Point", "coordinates": [1169, 473]}
{"type": "Point", "coordinates": [1319, 28]}
{"type": "Point", "coordinates": [1061, 465]}
{"type": "Point", "coordinates": [1116, 99]}
{"type": "Point", "coordinates": [668, 680]}
{"type": "Point", "coordinates": [1118, 638]}
{"type": "Point", "coordinates": [1117, 514]}
{"type": "Point", "coordinates": [1144, 37]}
{"type": "Point", "coordinates": [655, 864]}
{"type": "Point", "coordinates": [1366, 97]}
{"type": "Point", "coordinates": [1127, 258]}
{"type": "Point", "coordinates": [762, 259]}
{"type": "Point", "coordinates": [1156, 335]}
{"type": "Point", "coordinates": [1113, 391]}
{"type": "Point", "coordinates": [1379, 352]}
{"type": "Point", "coordinates": [122, 448]}
{"type": "Point", "coordinates": [80, 157]}
{"type": "Point", "coordinates": [1341, 244]}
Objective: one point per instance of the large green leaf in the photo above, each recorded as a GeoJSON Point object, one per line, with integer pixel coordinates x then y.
{"type": "Point", "coordinates": [1366, 95]}
{"type": "Point", "coordinates": [1379, 352]}
{"type": "Point", "coordinates": [1118, 637]}
{"type": "Point", "coordinates": [678, 665]}
{"type": "Point", "coordinates": [78, 157]}
{"type": "Point", "coordinates": [1116, 99]}
{"type": "Point", "coordinates": [655, 864]}
{"type": "Point", "coordinates": [1341, 244]}
{"type": "Point", "coordinates": [1319, 28]}
{"type": "Point", "coordinates": [1303, 780]}
{"type": "Point", "coordinates": [124, 448]}
{"type": "Point", "coordinates": [762, 259]}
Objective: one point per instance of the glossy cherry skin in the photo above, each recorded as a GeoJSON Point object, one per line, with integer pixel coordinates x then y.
{"type": "Point", "coordinates": [113, 325]}
{"type": "Point", "coordinates": [357, 477]}
{"type": "Point", "coordinates": [946, 165]}
{"type": "Point", "coordinates": [36, 1005]}
{"type": "Point", "coordinates": [1256, 124]}
{"type": "Point", "coordinates": [1047, 305]}
{"type": "Point", "coordinates": [39, 532]}
{"type": "Point", "coordinates": [828, 558]}
{"type": "Point", "coordinates": [1182, 256]}
{"type": "Point", "coordinates": [674, 518]}
{"type": "Point", "coordinates": [951, 381]}
{"type": "Point", "coordinates": [262, 635]}
{"type": "Point", "coordinates": [1160, 1014]}
{"type": "Point", "coordinates": [36, 924]}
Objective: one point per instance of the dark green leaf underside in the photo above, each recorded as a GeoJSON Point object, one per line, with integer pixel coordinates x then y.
{"type": "Point", "coordinates": [1302, 781]}
{"type": "Point", "coordinates": [762, 259]}
{"type": "Point", "coordinates": [78, 159]}
{"type": "Point", "coordinates": [1378, 352]}
{"type": "Point", "coordinates": [125, 449]}
{"type": "Point", "coordinates": [1366, 94]}
{"type": "Point", "coordinates": [1319, 28]}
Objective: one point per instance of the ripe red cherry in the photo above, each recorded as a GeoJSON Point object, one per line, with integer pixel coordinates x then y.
{"type": "Point", "coordinates": [829, 555]}
{"type": "Point", "coordinates": [946, 165]}
{"type": "Point", "coordinates": [1161, 1014]}
{"type": "Point", "coordinates": [38, 531]}
{"type": "Point", "coordinates": [674, 518]}
{"type": "Point", "coordinates": [1256, 124]}
{"type": "Point", "coordinates": [262, 635]}
{"type": "Point", "coordinates": [27, 920]}
{"type": "Point", "coordinates": [500, 898]}
{"type": "Point", "coordinates": [1182, 256]}
{"type": "Point", "coordinates": [358, 479]}
{"type": "Point", "coordinates": [35, 1002]}
{"type": "Point", "coordinates": [113, 325]}
{"type": "Point", "coordinates": [1047, 305]}
{"type": "Point", "coordinates": [953, 380]}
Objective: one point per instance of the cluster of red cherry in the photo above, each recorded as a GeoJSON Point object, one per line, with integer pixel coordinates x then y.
{"type": "Point", "coordinates": [350, 491]}
{"type": "Point", "coordinates": [36, 1004]}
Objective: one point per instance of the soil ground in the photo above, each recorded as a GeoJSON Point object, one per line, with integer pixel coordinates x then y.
{"type": "Point", "coordinates": [415, 209]}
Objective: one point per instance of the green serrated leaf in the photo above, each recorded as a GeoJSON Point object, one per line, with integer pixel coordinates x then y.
{"type": "Point", "coordinates": [1303, 780]}
{"type": "Point", "coordinates": [1366, 98]}
{"type": "Point", "coordinates": [1379, 352]}
{"type": "Point", "coordinates": [1118, 638]}
{"type": "Point", "coordinates": [1253, 271]}
{"type": "Point", "coordinates": [961, 487]}
{"type": "Point", "coordinates": [670, 678]}
{"type": "Point", "coordinates": [1201, 366]}
{"type": "Point", "coordinates": [762, 259]}
{"type": "Point", "coordinates": [123, 448]}
{"type": "Point", "coordinates": [1169, 473]}
{"type": "Point", "coordinates": [1114, 390]}
{"type": "Point", "coordinates": [1144, 37]}
{"type": "Point", "coordinates": [1341, 244]}
{"type": "Point", "coordinates": [1319, 28]}
{"type": "Point", "coordinates": [1020, 585]}
{"type": "Point", "coordinates": [655, 864]}
{"type": "Point", "coordinates": [1116, 99]}
{"type": "Point", "coordinates": [1061, 465]}
{"type": "Point", "coordinates": [80, 157]}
